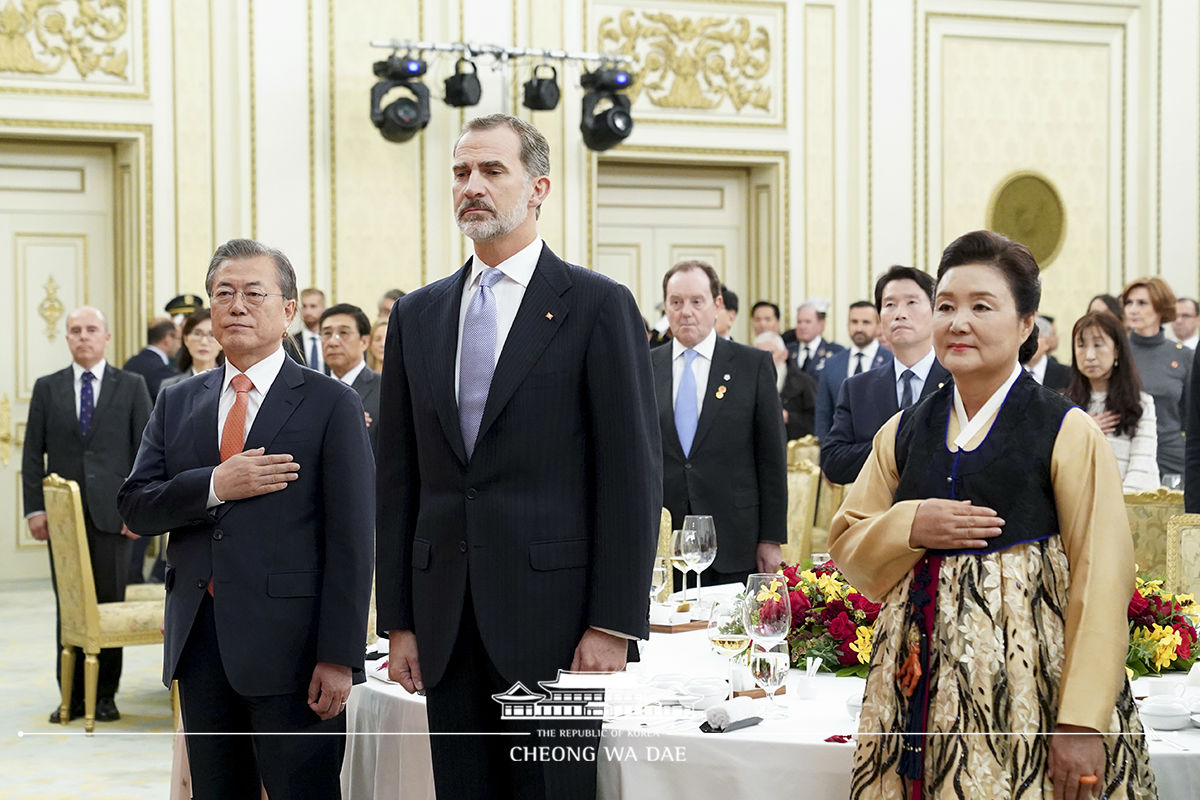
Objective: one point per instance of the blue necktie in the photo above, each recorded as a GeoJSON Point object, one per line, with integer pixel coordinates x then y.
{"type": "Point", "coordinates": [477, 361]}
{"type": "Point", "coordinates": [87, 402]}
{"type": "Point", "coordinates": [313, 360]}
{"type": "Point", "coordinates": [687, 413]}
{"type": "Point", "coordinates": [906, 398]}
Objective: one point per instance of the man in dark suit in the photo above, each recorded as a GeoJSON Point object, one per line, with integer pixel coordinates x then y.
{"type": "Point", "coordinates": [308, 341]}
{"type": "Point", "coordinates": [810, 350]}
{"type": "Point", "coordinates": [1044, 367]}
{"type": "Point", "coordinates": [261, 471]}
{"type": "Point", "coordinates": [85, 423]}
{"type": "Point", "coordinates": [519, 475]}
{"type": "Point", "coordinates": [345, 337]}
{"type": "Point", "coordinates": [904, 297]}
{"type": "Point", "coordinates": [156, 361]}
{"type": "Point", "coordinates": [723, 441]}
{"type": "Point", "coordinates": [865, 353]}
{"type": "Point", "coordinates": [797, 389]}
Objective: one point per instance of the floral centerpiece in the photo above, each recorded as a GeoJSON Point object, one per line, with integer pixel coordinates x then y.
{"type": "Point", "coordinates": [1162, 630]}
{"type": "Point", "coordinates": [831, 621]}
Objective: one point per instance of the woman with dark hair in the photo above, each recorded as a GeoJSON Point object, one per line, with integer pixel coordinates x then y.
{"type": "Point", "coordinates": [201, 351]}
{"type": "Point", "coordinates": [1106, 302]}
{"type": "Point", "coordinates": [1165, 368]}
{"type": "Point", "coordinates": [989, 522]}
{"type": "Point", "coordinates": [1105, 383]}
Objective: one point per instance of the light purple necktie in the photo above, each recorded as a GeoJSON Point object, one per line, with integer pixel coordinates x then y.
{"type": "Point", "coordinates": [477, 361]}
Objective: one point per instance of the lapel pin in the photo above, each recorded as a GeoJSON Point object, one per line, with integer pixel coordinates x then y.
{"type": "Point", "coordinates": [726, 378]}
{"type": "Point", "coordinates": [720, 392]}
{"type": "Point", "coordinates": [549, 315]}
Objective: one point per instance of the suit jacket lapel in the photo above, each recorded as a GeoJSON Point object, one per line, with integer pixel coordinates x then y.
{"type": "Point", "coordinates": [663, 386]}
{"type": "Point", "coordinates": [63, 400]}
{"type": "Point", "coordinates": [937, 378]}
{"type": "Point", "coordinates": [722, 364]}
{"type": "Point", "coordinates": [541, 313]}
{"type": "Point", "coordinates": [204, 417]}
{"type": "Point", "coordinates": [108, 388]}
{"type": "Point", "coordinates": [283, 398]}
{"type": "Point", "coordinates": [439, 321]}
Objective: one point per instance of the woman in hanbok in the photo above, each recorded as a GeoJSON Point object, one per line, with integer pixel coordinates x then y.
{"type": "Point", "coordinates": [989, 520]}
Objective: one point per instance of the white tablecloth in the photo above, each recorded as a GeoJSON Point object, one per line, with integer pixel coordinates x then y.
{"type": "Point", "coordinates": [657, 758]}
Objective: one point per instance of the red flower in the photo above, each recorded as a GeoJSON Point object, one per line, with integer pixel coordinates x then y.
{"type": "Point", "coordinates": [1137, 605]}
{"type": "Point", "coordinates": [846, 656]}
{"type": "Point", "coordinates": [843, 629]}
{"type": "Point", "coordinates": [861, 603]}
{"type": "Point", "coordinates": [800, 605]}
{"type": "Point", "coordinates": [792, 574]}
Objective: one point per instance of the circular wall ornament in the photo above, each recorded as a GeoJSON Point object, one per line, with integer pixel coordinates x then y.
{"type": "Point", "coordinates": [1027, 208]}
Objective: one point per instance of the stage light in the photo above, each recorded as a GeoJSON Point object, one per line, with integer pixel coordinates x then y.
{"type": "Point", "coordinates": [401, 119]}
{"type": "Point", "coordinates": [541, 94]}
{"type": "Point", "coordinates": [609, 127]}
{"type": "Point", "coordinates": [462, 88]}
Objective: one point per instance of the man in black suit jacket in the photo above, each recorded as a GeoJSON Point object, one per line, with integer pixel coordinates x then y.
{"type": "Point", "coordinates": [723, 441]}
{"type": "Point", "coordinates": [519, 475]}
{"type": "Point", "coordinates": [797, 389]}
{"type": "Point", "coordinates": [261, 471]}
{"type": "Point", "coordinates": [904, 297]}
{"type": "Point", "coordinates": [307, 340]}
{"type": "Point", "coordinates": [89, 434]}
{"type": "Point", "coordinates": [1044, 367]}
{"type": "Point", "coordinates": [345, 337]}
{"type": "Point", "coordinates": [809, 349]}
{"type": "Point", "coordinates": [156, 361]}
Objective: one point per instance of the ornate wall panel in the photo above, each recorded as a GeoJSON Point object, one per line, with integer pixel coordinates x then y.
{"type": "Point", "coordinates": [74, 47]}
{"type": "Point", "coordinates": [820, 184]}
{"type": "Point", "coordinates": [710, 63]}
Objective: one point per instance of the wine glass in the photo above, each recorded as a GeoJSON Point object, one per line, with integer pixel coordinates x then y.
{"type": "Point", "coordinates": [769, 665]}
{"type": "Point", "coordinates": [679, 558]}
{"type": "Point", "coordinates": [767, 609]}
{"type": "Point", "coordinates": [658, 577]}
{"type": "Point", "coordinates": [700, 530]}
{"type": "Point", "coordinates": [726, 632]}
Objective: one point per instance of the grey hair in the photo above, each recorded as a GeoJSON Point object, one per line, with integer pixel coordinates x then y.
{"type": "Point", "coordinates": [236, 249]}
{"type": "Point", "coordinates": [1044, 326]}
{"type": "Point", "coordinates": [774, 338]}
{"type": "Point", "coordinates": [535, 150]}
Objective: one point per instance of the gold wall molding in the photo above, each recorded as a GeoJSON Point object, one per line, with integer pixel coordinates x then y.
{"type": "Point", "coordinates": [51, 309]}
{"type": "Point", "coordinates": [705, 66]}
{"type": "Point", "coordinates": [1027, 208]}
{"type": "Point", "coordinates": [49, 43]}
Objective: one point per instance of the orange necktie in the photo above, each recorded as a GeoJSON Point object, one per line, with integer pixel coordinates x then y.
{"type": "Point", "coordinates": [233, 437]}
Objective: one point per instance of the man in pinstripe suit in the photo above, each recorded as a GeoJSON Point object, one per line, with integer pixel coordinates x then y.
{"type": "Point", "coordinates": [520, 474]}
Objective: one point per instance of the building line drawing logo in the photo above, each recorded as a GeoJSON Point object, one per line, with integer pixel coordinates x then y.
{"type": "Point", "coordinates": [565, 697]}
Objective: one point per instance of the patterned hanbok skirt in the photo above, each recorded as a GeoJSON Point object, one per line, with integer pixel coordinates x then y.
{"type": "Point", "coordinates": [995, 663]}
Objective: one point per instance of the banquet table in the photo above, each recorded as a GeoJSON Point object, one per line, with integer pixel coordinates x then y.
{"type": "Point", "coordinates": [660, 753]}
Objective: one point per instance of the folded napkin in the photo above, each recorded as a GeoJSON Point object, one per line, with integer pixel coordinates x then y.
{"type": "Point", "coordinates": [722, 715]}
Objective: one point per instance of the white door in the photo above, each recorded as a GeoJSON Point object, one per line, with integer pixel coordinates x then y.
{"type": "Point", "coordinates": [651, 216]}
{"type": "Point", "coordinates": [56, 253]}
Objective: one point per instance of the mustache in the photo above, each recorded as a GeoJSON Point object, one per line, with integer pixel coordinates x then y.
{"type": "Point", "coordinates": [467, 205]}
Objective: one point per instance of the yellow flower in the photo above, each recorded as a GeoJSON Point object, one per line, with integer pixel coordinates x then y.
{"type": "Point", "coordinates": [1185, 600]}
{"type": "Point", "coordinates": [862, 645]}
{"type": "Point", "coordinates": [1129, 673]}
{"type": "Point", "coordinates": [1166, 640]}
{"type": "Point", "coordinates": [830, 587]}
{"type": "Point", "coordinates": [769, 592]}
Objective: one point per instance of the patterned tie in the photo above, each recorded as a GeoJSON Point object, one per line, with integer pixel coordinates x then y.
{"type": "Point", "coordinates": [906, 398]}
{"type": "Point", "coordinates": [313, 359]}
{"type": "Point", "coordinates": [87, 402]}
{"type": "Point", "coordinates": [478, 359]}
{"type": "Point", "coordinates": [858, 363]}
{"type": "Point", "coordinates": [233, 436]}
{"type": "Point", "coordinates": [687, 414]}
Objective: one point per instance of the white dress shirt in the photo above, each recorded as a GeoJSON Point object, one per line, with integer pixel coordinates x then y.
{"type": "Point", "coordinates": [262, 375]}
{"type": "Point", "coordinates": [508, 291]}
{"type": "Point", "coordinates": [812, 347]}
{"type": "Point", "coordinates": [308, 338]}
{"type": "Point", "coordinates": [351, 373]}
{"type": "Point", "coordinates": [1038, 370]}
{"type": "Point", "coordinates": [700, 366]}
{"type": "Point", "coordinates": [868, 357]}
{"type": "Point", "coordinates": [920, 370]}
{"type": "Point", "coordinates": [98, 371]}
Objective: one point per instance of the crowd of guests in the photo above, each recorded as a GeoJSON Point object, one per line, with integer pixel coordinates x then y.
{"type": "Point", "coordinates": [1129, 369]}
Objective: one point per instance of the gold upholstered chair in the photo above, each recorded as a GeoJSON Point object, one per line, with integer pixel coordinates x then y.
{"type": "Point", "coordinates": [86, 623]}
{"type": "Point", "coordinates": [806, 448]}
{"type": "Point", "coordinates": [803, 483]}
{"type": "Point", "coordinates": [1183, 554]}
{"type": "Point", "coordinates": [829, 500]}
{"type": "Point", "coordinates": [1149, 513]}
{"type": "Point", "coordinates": [663, 551]}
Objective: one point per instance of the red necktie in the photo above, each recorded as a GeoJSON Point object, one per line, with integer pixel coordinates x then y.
{"type": "Point", "coordinates": [233, 436]}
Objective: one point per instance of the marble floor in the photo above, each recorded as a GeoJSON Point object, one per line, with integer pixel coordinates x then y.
{"type": "Point", "coordinates": [125, 760]}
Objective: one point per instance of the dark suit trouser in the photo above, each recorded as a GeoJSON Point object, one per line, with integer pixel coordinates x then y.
{"type": "Point", "coordinates": [487, 767]}
{"type": "Point", "coordinates": [109, 553]}
{"type": "Point", "coordinates": [233, 767]}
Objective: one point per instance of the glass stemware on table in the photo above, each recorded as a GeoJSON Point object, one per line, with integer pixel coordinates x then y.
{"type": "Point", "coordinates": [767, 616]}
{"type": "Point", "coordinates": [658, 577]}
{"type": "Point", "coordinates": [680, 557]}
{"type": "Point", "coordinates": [699, 548]}
{"type": "Point", "coordinates": [727, 633]}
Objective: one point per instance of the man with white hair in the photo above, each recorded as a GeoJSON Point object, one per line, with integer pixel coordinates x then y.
{"type": "Point", "coordinates": [810, 349]}
{"type": "Point", "coordinates": [797, 389]}
{"type": "Point", "coordinates": [1045, 369]}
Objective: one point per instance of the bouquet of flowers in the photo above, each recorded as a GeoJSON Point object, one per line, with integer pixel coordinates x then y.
{"type": "Point", "coordinates": [1162, 630]}
{"type": "Point", "coordinates": [831, 621]}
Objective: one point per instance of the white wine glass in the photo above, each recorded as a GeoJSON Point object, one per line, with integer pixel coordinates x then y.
{"type": "Point", "coordinates": [727, 633]}
{"type": "Point", "coordinates": [701, 532]}
{"type": "Point", "coordinates": [679, 559]}
{"type": "Point", "coordinates": [769, 666]}
{"type": "Point", "coordinates": [767, 609]}
{"type": "Point", "coordinates": [658, 577]}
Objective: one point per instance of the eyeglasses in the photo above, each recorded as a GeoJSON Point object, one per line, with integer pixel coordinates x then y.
{"type": "Point", "coordinates": [253, 297]}
{"type": "Point", "coordinates": [326, 335]}
{"type": "Point", "coordinates": [203, 334]}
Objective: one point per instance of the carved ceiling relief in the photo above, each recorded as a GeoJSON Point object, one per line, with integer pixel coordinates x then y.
{"type": "Point", "coordinates": [39, 37]}
{"type": "Point", "coordinates": [693, 63]}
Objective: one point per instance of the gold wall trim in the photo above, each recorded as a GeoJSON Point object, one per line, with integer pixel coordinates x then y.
{"type": "Point", "coordinates": [254, 122]}
{"type": "Point", "coordinates": [312, 149]}
{"type": "Point", "coordinates": [51, 310]}
{"type": "Point", "coordinates": [870, 254]}
{"type": "Point", "coordinates": [212, 132]}
{"type": "Point", "coordinates": [115, 93]}
{"type": "Point", "coordinates": [31, 168]}
{"type": "Point", "coordinates": [333, 243]}
{"type": "Point", "coordinates": [174, 143]}
{"type": "Point", "coordinates": [996, 214]}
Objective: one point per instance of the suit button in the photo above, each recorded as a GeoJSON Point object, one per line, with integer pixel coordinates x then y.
{"type": "Point", "coordinates": [462, 546]}
{"type": "Point", "coordinates": [472, 494]}
{"type": "Point", "coordinates": [218, 535]}
{"type": "Point", "coordinates": [687, 465]}
{"type": "Point", "coordinates": [200, 584]}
